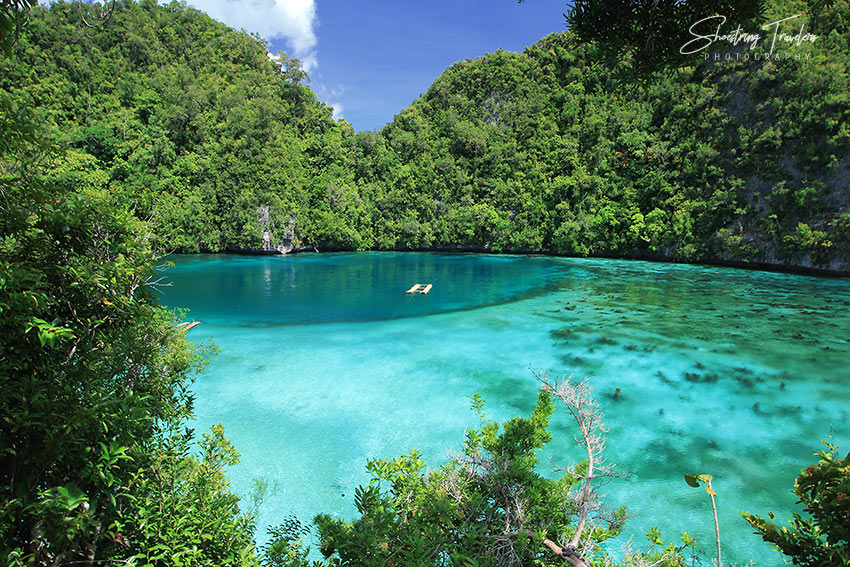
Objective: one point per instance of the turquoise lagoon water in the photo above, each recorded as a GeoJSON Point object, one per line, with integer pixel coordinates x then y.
{"type": "Point", "coordinates": [325, 362]}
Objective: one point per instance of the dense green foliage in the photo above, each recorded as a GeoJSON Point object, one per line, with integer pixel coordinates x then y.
{"type": "Point", "coordinates": [475, 509]}
{"type": "Point", "coordinates": [549, 150]}
{"type": "Point", "coordinates": [823, 538]}
{"type": "Point", "coordinates": [13, 14]}
{"type": "Point", "coordinates": [650, 33]}
{"type": "Point", "coordinates": [95, 460]}
{"type": "Point", "coordinates": [188, 121]}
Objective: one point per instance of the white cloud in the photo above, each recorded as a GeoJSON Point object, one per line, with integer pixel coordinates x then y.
{"type": "Point", "coordinates": [309, 61]}
{"type": "Point", "coordinates": [328, 94]}
{"type": "Point", "coordinates": [291, 20]}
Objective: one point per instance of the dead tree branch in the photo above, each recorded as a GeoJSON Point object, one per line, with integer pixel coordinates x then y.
{"type": "Point", "coordinates": [583, 408]}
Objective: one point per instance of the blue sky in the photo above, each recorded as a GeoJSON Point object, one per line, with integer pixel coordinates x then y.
{"type": "Point", "coordinates": [371, 59]}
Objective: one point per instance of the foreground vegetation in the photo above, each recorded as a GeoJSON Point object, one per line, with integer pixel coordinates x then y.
{"type": "Point", "coordinates": [113, 148]}
{"type": "Point", "coordinates": [95, 460]}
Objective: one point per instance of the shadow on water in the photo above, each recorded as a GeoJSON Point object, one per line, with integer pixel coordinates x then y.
{"type": "Point", "coordinates": [276, 291]}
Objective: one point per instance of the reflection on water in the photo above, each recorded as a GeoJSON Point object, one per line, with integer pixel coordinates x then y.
{"type": "Point", "coordinates": [326, 362]}
{"type": "Point", "coordinates": [326, 288]}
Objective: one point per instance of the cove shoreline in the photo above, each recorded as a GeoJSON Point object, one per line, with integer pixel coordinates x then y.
{"type": "Point", "coordinates": [762, 266]}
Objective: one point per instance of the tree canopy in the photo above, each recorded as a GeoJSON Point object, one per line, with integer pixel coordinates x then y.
{"type": "Point", "coordinates": [740, 159]}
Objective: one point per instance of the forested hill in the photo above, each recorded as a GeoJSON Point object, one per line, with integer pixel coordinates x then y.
{"type": "Point", "coordinates": [550, 150]}
{"type": "Point", "coordinates": [189, 120]}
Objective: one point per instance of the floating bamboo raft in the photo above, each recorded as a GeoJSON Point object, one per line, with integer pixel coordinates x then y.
{"type": "Point", "coordinates": [186, 325]}
{"type": "Point", "coordinates": [420, 288]}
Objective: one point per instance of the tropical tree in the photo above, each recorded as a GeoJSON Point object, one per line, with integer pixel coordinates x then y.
{"type": "Point", "coordinates": [95, 462]}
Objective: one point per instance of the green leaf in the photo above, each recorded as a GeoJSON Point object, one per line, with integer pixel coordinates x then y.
{"type": "Point", "coordinates": [72, 494]}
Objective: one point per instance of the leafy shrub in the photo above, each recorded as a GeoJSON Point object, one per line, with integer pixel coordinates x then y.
{"type": "Point", "coordinates": [822, 538]}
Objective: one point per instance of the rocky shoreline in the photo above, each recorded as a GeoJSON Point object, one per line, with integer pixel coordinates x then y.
{"type": "Point", "coordinates": [838, 268]}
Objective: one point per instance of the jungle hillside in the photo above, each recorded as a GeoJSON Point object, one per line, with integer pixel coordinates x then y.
{"type": "Point", "coordinates": [558, 149]}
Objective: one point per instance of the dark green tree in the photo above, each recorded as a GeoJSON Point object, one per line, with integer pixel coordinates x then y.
{"type": "Point", "coordinates": [13, 15]}
{"type": "Point", "coordinates": [651, 33]}
{"type": "Point", "coordinates": [93, 382]}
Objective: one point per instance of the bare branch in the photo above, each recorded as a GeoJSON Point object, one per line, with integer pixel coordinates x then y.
{"type": "Point", "coordinates": [582, 406]}
{"type": "Point", "coordinates": [102, 13]}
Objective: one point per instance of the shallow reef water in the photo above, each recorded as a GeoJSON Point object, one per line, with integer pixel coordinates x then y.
{"type": "Point", "coordinates": [325, 362]}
